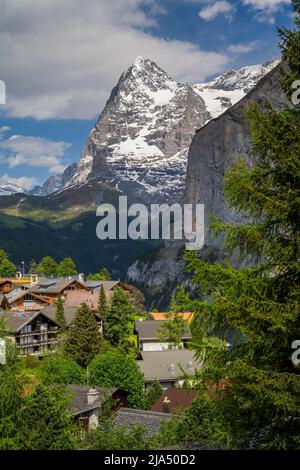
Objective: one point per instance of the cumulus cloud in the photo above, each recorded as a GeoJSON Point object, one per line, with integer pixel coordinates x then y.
{"type": "Point", "coordinates": [221, 7]}
{"type": "Point", "coordinates": [33, 151]}
{"type": "Point", "coordinates": [244, 48]}
{"type": "Point", "coordinates": [60, 59]}
{"type": "Point", "coordinates": [23, 182]}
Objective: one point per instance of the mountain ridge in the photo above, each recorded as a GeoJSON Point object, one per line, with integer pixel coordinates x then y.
{"type": "Point", "coordinates": [136, 146]}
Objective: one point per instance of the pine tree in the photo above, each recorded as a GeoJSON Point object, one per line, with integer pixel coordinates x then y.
{"type": "Point", "coordinates": [60, 314]}
{"type": "Point", "coordinates": [83, 339]}
{"type": "Point", "coordinates": [257, 307]}
{"type": "Point", "coordinates": [172, 329]}
{"type": "Point", "coordinates": [103, 307]}
{"type": "Point", "coordinates": [116, 327]}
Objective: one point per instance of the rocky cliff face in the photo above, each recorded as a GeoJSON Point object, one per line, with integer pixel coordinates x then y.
{"type": "Point", "coordinates": [214, 149]}
{"type": "Point", "coordinates": [220, 144]}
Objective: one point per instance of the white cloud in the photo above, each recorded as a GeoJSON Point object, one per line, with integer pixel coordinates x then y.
{"type": "Point", "coordinates": [3, 131]}
{"type": "Point", "coordinates": [221, 7]}
{"type": "Point", "coordinates": [23, 182]}
{"type": "Point", "coordinates": [265, 9]}
{"type": "Point", "coordinates": [244, 48]}
{"type": "Point", "coordinates": [62, 58]}
{"type": "Point", "coordinates": [33, 151]}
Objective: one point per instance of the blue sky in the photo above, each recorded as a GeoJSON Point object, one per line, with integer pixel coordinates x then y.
{"type": "Point", "coordinates": [60, 60]}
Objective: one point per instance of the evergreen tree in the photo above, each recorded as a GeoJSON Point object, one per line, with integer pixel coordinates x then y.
{"type": "Point", "coordinates": [66, 268]}
{"type": "Point", "coordinates": [47, 266]}
{"type": "Point", "coordinates": [45, 420]}
{"type": "Point", "coordinates": [152, 394]}
{"type": "Point", "coordinates": [83, 339]}
{"type": "Point", "coordinates": [116, 327]}
{"type": "Point", "coordinates": [257, 307]}
{"type": "Point", "coordinates": [172, 329]}
{"type": "Point", "coordinates": [7, 268]}
{"type": "Point", "coordinates": [104, 275]}
{"type": "Point", "coordinates": [103, 308]}
{"type": "Point", "coordinates": [60, 314]}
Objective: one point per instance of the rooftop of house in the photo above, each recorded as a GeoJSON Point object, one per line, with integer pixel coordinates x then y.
{"type": "Point", "coordinates": [50, 312]}
{"type": "Point", "coordinates": [80, 402]}
{"type": "Point", "coordinates": [149, 330]}
{"type": "Point", "coordinates": [178, 398]}
{"type": "Point", "coordinates": [151, 420]}
{"type": "Point", "coordinates": [17, 294]}
{"type": "Point", "coordinates": [16, 320]}
{"type": "Point", "coordinates": [108, 285]}
{"type": "Point", "coordinates": [55, 285]}
{"type": "Point", "coordinates": [168, 365]}
{"type": "Point", "coordinates": [187, 316]}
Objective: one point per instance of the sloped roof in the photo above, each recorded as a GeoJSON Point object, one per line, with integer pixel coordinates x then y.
{"type": "Point", "coordinates": [149, 419]}
{"type": "Point", "coordinates": [167, 365]}
{"type": "Point", "coordinates": [69, 312]}
{"type": "Point", "coordinates": [149, 329]}
{"type": "Point", "coordinates": [180, 399]}
{"type": "Point", "coordinates": [17, 320]}
{"type": "Point", "coordinates": [54, 286]}
{"type": "Point", "coordinates": [17, 294]}
{"type": "Point", "coordinates": [79, 402]}
{"type": "Point", "coordinates": [187, 316]}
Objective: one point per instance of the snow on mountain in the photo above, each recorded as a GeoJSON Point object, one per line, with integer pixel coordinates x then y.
{"type": "Point", "coordinates": [146, 127]}
{"type": "Point", "coordinates": [227, 89]}
{"type": "Point", "coordinates": [6, 189]}
{"type": "Point", "coordinates": [140, 142]}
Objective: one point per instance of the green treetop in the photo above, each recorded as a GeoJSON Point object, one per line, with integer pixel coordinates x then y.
{"type": "Point", "coordinates": [7, 268]}
{"type": "Point", "coordinates": [257, 308]}
{"type": "Point", "coordinates": [47, 266]}
{"type": "Point", "coordinates": [66, 268]}
{"type": "Point", "coordinates": [83, 339]}
{"type": "Point", "coordinates": [60, 314]}
{"type": "Point", "coordinates": [116, 327]}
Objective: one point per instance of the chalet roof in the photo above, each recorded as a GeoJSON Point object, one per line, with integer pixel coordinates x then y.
{"type": "Point", "coordinates": [54, 286]}
{"type": "Point", "coordinates": [50, 312]}
{"type": "Point", "coordinates": [17, 320]}
{"type": "Point", "coordinates": [108, 285]}
{"type": "Point", "coordinates": [180, 399]}
{"type": "Point", "coordinates": [168, 365]}
{"type": "Point", "coordinates": [149, 329]}
{"type": "Point", "coordinates": [73, 298]}
{"type": "Point", "coordinates": [17, 294]}
{"type": "Point", "coordinates": [187, 316]}
{"type": "Point", "coordinates": [79, 402]}
{"type": "Point", "coordinates": [69, 312]}
{"type": "Point", "coordinates": [149, 419]}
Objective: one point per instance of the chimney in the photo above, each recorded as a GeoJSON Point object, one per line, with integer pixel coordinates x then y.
{"type": "Point", "coordinates": [167, 405]}
{"type": "Point", "coordinates": [92, 396]}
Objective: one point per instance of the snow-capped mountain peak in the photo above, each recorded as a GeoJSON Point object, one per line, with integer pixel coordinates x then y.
{"type": "Point", "coordinates": [8, 188]}
{"type": "Point", "coordinates": [231, 86]}
{"type": "Point", "coordinates": [140, 142]}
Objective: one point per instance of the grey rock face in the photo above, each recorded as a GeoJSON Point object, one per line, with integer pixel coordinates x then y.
{"type": "Point", "coordinates": [220, 144]}
{"type": "Point", "coordinates": [55, 183]}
